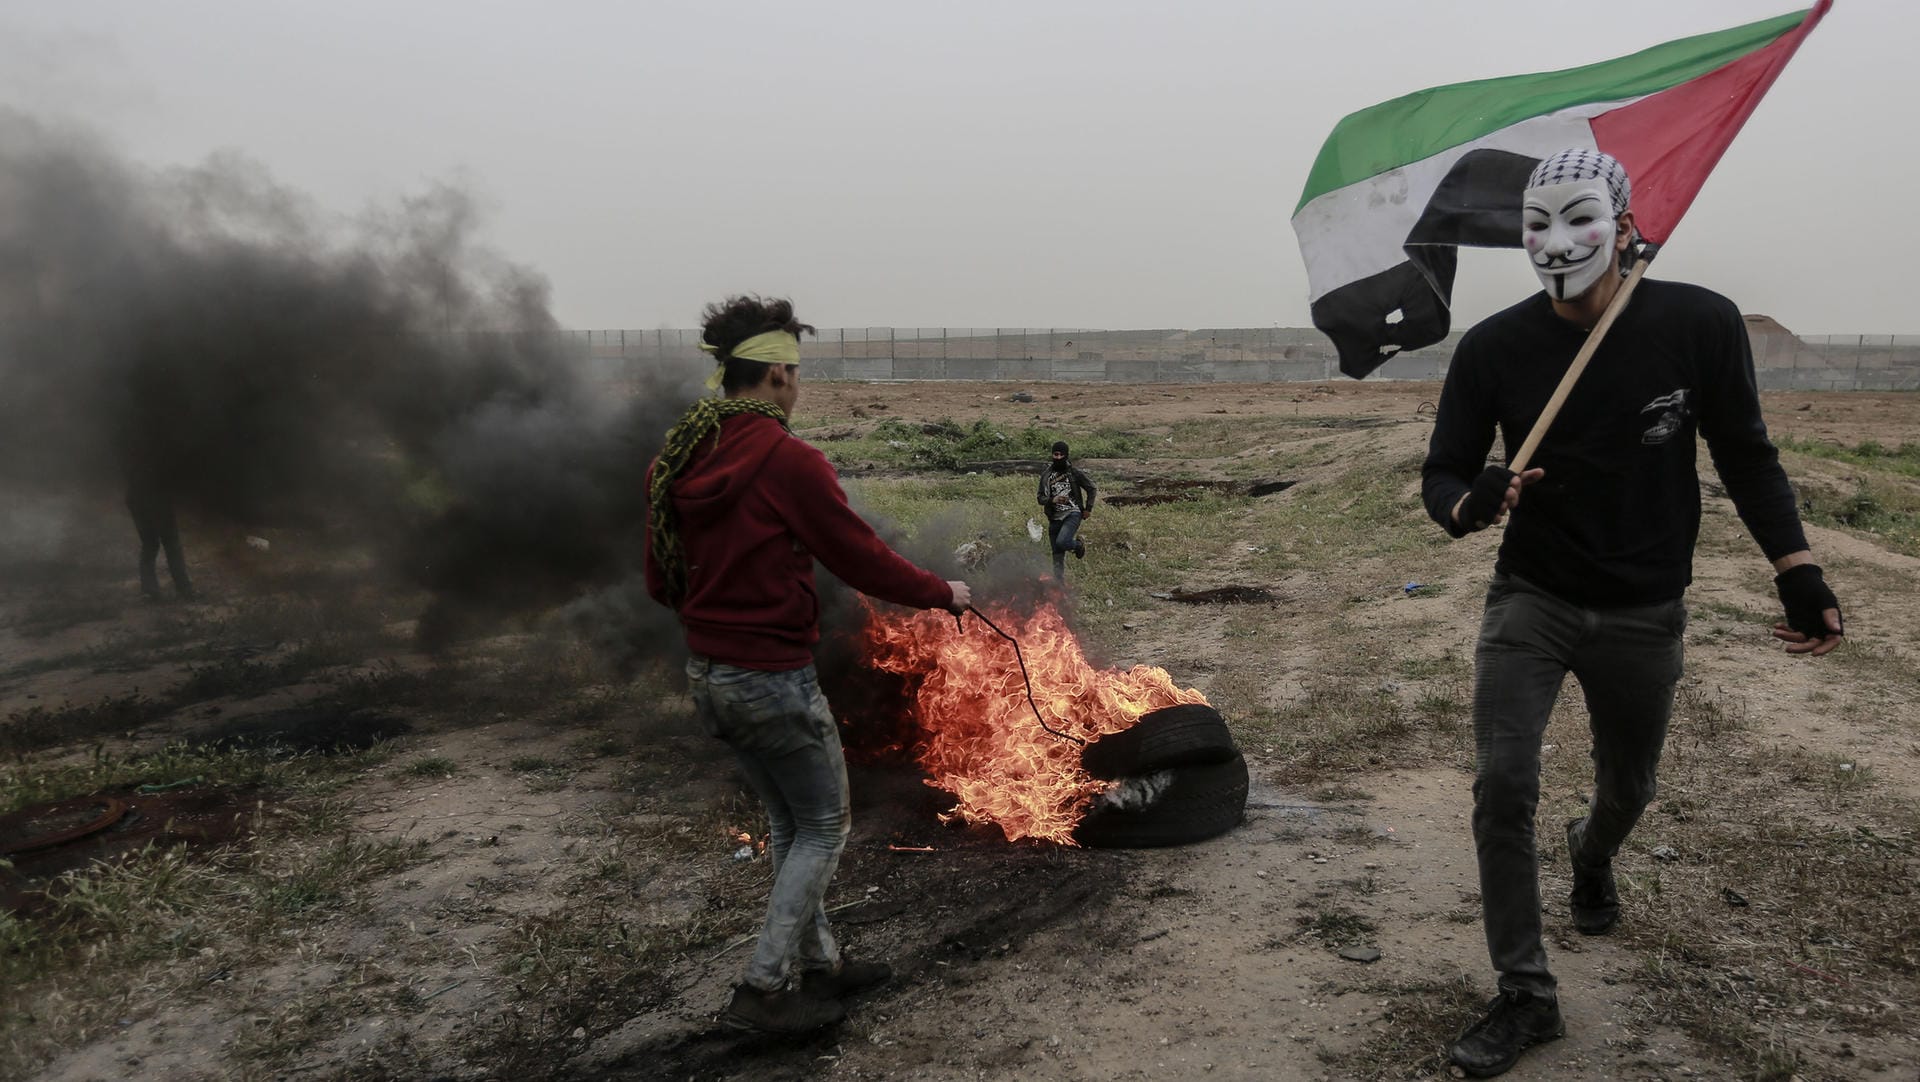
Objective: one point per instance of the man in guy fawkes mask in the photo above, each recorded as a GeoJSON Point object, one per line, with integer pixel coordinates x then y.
{"type": "Point", "coordinates": [1592, 571]}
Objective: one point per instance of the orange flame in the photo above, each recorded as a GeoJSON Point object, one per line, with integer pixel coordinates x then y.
{"type": "Point", "coordinates": [978, 738]}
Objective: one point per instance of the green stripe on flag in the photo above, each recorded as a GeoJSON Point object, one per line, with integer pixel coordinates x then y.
{"type": "Point", "coordinates": [1426, 122]}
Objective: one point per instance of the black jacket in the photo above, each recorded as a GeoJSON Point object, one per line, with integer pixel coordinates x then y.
{"type": "Point", "coordinates": [1075, 485]}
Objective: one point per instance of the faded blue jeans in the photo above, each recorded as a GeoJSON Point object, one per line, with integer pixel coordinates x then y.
{"type": "Point", "coordinates": [788, 746]}
{"type": "Point", "coordinates": [1627, 661]}
{"type": "Point", "coordinates": [1066, 530]}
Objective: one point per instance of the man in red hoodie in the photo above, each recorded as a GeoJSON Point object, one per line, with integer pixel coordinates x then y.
{"type": "Point", "coordinates": [739, 508]}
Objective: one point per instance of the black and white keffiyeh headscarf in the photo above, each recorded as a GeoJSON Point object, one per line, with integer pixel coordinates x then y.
{"type": "Point", "coordinates": [1585, 163]}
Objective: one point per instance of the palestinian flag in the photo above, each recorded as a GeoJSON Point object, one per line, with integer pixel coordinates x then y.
{"type": "Point", "coordinates": [1398, 186]}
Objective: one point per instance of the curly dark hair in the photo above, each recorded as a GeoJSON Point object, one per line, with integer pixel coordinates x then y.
{"type": "Point", "coordinates": [730, 322]}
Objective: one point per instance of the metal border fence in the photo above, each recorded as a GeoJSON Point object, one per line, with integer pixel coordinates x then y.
{"type": "Point", "coordinates": [1229, 355]}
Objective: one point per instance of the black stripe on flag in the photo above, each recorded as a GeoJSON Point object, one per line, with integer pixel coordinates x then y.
{"type": "Point", "coordinates": [1407, 306]}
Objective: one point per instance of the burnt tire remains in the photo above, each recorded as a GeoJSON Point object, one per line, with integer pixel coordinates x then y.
{"type": "Point", "coordinates": [1187, 735]}
{"type": "Point", "coordinates": [1198, 802]}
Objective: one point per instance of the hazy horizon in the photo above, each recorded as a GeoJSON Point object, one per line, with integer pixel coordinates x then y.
{"type": "Point", "coordinates": [1116, 166]}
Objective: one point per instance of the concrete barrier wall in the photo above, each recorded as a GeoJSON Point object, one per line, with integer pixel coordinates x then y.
{"type": "Point", "coordinates": [1255, 355]}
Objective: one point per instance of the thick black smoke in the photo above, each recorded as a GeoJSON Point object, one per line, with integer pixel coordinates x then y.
{"type": "Point", "coordinates": [209, 332]}
{"type": "Point", "coordinates": [384, 379]}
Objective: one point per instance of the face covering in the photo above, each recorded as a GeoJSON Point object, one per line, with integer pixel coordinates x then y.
{"type": "Point", "coordinates": [1569, 215]}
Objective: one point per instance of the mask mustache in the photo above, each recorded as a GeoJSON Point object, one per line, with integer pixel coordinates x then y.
{"type": "Point", "coordinates": [1552, 263]}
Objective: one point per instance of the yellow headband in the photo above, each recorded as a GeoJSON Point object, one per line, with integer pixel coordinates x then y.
{"type": "Point", "coordinates": [773, 347]}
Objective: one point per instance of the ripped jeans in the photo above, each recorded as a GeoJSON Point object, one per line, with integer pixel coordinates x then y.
{"type": "Point", "coordinates": [788, 746]}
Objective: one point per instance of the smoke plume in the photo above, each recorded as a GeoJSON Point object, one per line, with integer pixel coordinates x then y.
{"type": "Point", "coordinates": [384, 378]}
{"type": "Point", "coordinates": [209, 333]}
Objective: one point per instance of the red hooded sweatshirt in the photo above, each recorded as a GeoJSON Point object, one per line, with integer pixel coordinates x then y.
{"type": "Point", "coordinates": [756, 506]}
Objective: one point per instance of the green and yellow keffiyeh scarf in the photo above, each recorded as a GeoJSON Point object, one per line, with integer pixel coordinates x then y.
{"type": "Point", "coordinates": [700, 421]}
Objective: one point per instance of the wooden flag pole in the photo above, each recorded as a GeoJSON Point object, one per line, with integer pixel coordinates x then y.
{"type": "Point", "coordinates": [1579, 365]}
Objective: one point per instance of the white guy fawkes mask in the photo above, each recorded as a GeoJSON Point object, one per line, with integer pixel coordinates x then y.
{"type": "Point", "coordinates": [1568, 217]}
{"type": "Point", "coordinates": [1567, 230]}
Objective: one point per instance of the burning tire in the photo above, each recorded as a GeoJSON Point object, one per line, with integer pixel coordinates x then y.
{"type": "Point", "coordinates": [1197, 802]}
{"type": "Point", "coordinates": [1193, 735]}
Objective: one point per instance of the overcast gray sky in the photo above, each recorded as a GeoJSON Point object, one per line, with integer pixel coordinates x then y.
{"type": "Point", "coordinates": [1094, 164]}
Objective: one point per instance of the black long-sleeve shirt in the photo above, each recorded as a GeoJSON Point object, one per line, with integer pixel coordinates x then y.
{"type": "Point", "coordinates": [1613, 520]}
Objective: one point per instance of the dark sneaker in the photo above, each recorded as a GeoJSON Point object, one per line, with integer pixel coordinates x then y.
{"type": "Point", "coordinates": [785, 1012]}
{"type": "Point", "coordinates": [1079, 549]}
{"type": "Point", "coordinates": [851, 979]}
{"type": "Point", "coordinates": [1515, 1021]}
{"type": "Point", "coordinates": [1596, 904]}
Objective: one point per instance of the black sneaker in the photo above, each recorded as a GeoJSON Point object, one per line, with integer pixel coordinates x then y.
{"type": "Point", "coordinates": [1079, 549]}
{"type": "Point", "coordinates": [1595, 902]}
{"type": "Point", "coordinates": [851, 979]}
{"type": "Point", "coordinates": [784, 1012]}
{"type": "Point", "coordinates": [1515, 1021]}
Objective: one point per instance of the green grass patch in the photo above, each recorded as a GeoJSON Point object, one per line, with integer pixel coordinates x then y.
{"type": "Point", "coordinates": [1903, 459]}
{"type": "Point", "coordinates": [1337, 727]}
{"type": "Point", "coordinates": [951, 445]}
{"type": "Point", "coordinates": [542, 775]}
{"type": "Point", "coordinates": [126, 922]}
{"type": "Point", "coordinates": [1450, 665]}
{"type": "Point", "coordinates": [1887, 512]}
{"type": "Point", "coordinates": [28, 781]}
{"type": "Point", "coordinates": [1334, 927]}
{"type": "Point", "coordinates": [1365, 512]}
{"type": "Point", "coordinates": [1418, 1021]}
{"type": "Point", "coordinates": [598, 745]}
{"type": "Point", "coordinates": [40, 726]}
{"type": "Point", "coordinates": [437, 766]}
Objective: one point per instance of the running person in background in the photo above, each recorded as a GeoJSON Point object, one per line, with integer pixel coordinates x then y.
{"type": "Point", "coordinates": [1067, 493]}
{"type": "Point", "coordinates": [1595, 563]}
{"type": "Point", "coordinates": [738, 510]}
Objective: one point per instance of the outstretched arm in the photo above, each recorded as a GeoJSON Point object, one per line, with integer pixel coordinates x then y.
{"type": "Point", "coordinates": [1749, 465]}
{"type": "Point", "coordinates": [814, 507]}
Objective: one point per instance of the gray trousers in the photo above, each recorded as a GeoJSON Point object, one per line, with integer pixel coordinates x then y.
{"type": "Point", "coordinates": [1627, 661]}
{"type": "Point", "coordinates": [788, 746]}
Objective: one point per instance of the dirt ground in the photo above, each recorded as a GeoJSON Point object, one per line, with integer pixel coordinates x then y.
{"type": "Point", "coordinates": [1023, 961]}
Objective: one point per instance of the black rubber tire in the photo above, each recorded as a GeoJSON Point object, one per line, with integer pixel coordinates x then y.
{"type": "Point", "coordinates": [1193, 735]}
{"type": "Point", "coordinates": [1200, 802]}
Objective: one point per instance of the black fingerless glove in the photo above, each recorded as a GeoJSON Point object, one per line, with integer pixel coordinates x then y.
{"type": "Point", "coordinates": [1484, 502]}
{"type": "Point", "coordinates": [1804, 593]}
